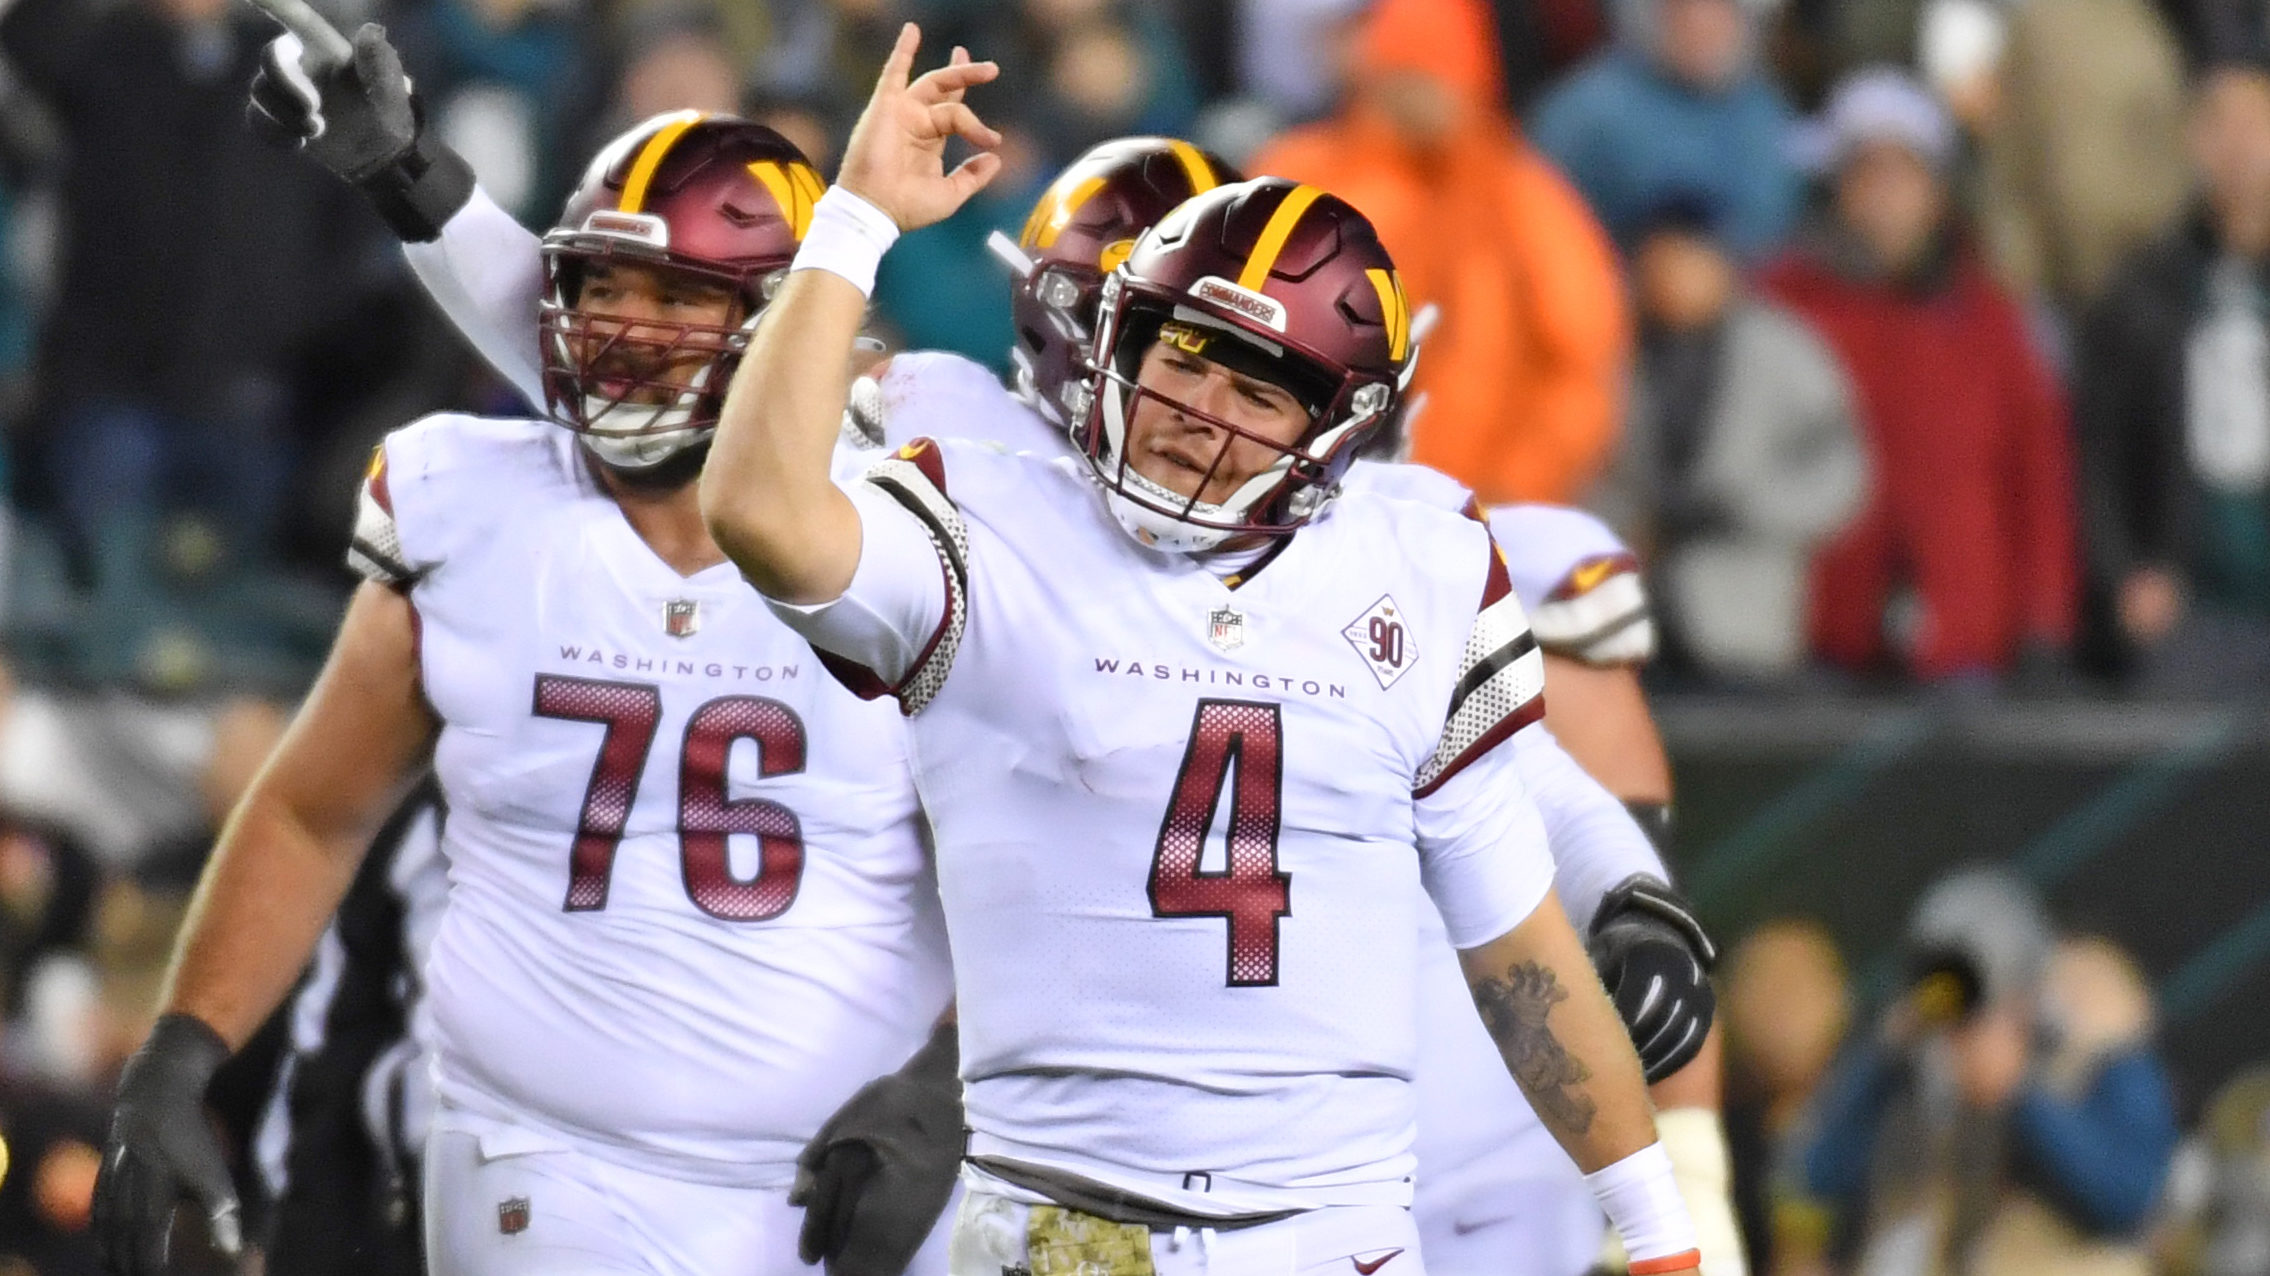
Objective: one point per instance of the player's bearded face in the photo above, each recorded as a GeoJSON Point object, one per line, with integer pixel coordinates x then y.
{"type": "Point", "coordinates": [637, 344]}
{"type": "Point", "coordinates": [1171, 441]}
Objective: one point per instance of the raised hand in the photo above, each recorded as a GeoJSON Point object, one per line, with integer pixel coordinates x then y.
{"type": "Point", "coordinates": [360, 119]}
{"type": "Point", "coordinates": [896, 159]}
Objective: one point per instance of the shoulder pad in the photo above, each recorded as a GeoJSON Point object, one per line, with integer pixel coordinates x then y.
{"type": "Point", "coordinates": [1586, 597]}
{"type": "Point", "coordinates": [441, 481]}
{"type": "Point", "coordinates": [915, 477]}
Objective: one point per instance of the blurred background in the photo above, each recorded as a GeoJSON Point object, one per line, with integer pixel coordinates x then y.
{"type": "Point", "coordinates": [1920, 347]}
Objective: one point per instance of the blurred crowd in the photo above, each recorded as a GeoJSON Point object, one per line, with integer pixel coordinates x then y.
{"type": "Point", "coordinates": [1909, 342]}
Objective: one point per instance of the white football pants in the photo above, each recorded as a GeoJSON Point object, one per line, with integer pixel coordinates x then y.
{"type": "Point", "coordinates": [555, 1211]}
{"type": "Point", "coordinates": [1509, 1225]}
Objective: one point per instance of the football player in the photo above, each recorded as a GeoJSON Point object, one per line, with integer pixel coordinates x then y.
{"type": "Point", "coordinates": [1492, 1189]}
{"type": "Point", "coordinates": [690, 909]}
{"type": "Point", "coordinates": [1157, 1049]}
{"type": "Point", "coordinates": [1492, 1193]}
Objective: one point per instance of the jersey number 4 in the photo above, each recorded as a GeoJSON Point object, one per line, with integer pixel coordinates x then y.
{"type": "Point", "coordinates": [1226, 737]}
{"type": "Point", "coordinates": [706, 817]}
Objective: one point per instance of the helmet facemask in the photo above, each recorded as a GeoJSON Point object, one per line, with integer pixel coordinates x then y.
{"type": "Point", "coordinates": [1053, 305]}
{"type": "Point", "coordinates": [638, 391]}
{"type": "Point", "coordinates": [1283, 495]}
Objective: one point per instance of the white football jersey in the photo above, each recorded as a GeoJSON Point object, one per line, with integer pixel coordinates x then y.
{"type": "Point", "coordinates": [690, 910]}
{"type": "Point", "coordinates": [1183, 821]}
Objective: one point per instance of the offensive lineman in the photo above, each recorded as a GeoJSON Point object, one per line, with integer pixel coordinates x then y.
{"type": "Point", "coordinates": [1129, 1082]}
{"type": "Point", "coordinates": [689, 909]}
{"type": "Point", "coordinates": [1492, 1189]}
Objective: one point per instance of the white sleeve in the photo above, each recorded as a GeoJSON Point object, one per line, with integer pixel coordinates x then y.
{"type": "Point", "coordinates": [1596, 843]}
{"type": "Point", "coordinates": [486, 272]}
{"type": "Point", "coordinates": [1482, 849]}
{"type": "Point", "coordinates": [896, 627]}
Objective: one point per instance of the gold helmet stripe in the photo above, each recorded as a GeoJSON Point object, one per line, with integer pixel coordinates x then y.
{"type": "Point", "coordinates": [1194, 166]}
{"type": "Point", "coordinates": [1055, 211]}
{"type": "Point", "coordinates": [1274, 235]}
{"type": "Point", "coordinates": [1394, 309]}
{"type": "Point", "coordinates": [794, 188]}
{"type": "Point", "coordinates": [814, 185]}
{"type": "Point", "coordinates": [650, 158]}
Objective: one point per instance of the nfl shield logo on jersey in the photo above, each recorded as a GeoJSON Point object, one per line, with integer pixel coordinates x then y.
{"type": "Point", "coordinates": [512, 1215]}
{"type": "Point", "coordinates": [681, 617]}
{"type": "Point", "coordinates": [1225, 628]}
{"type": "Point", "coordinates": [1379, 638]}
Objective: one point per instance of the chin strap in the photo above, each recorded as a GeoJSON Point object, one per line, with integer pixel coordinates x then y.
{"type": "Point", "coordinates": [668, 474]}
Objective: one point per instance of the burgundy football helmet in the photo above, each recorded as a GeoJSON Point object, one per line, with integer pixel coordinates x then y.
{"type": "Point", "coordinates": [1084, 224]}
{"type": "Point", "coordinates": [1275, 278]}
{"type": "Point", "coordinates": [718, 198]}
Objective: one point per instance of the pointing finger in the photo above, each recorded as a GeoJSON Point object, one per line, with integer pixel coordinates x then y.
{"type": "Point", "coordinates": [900, 64]}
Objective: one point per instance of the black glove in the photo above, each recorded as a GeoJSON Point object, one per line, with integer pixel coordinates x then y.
{"type": "Point", "coordinates": [1655, 960]}
{"type": "Point", "coordinates": [360, 120]}
{"type": "Point", "coordinates": [876, 1177]}
{"type": "Point", "coordinates": [160, 1148]}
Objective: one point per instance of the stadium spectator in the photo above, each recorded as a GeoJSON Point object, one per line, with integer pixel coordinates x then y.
{"type": "Point", "coordinates": [1971, 523]}
{"type": "Point", "coordinates": [677, 60]}
{"type": "Point", "coordinates": [2218, 31]}
{"type": "Point", "coordinates": [1542, 40]}
{"type": "Point", "coordinates": [195, 263]}
{"type": "Point", "coordinates": [1290, 53]}
{"type": "Point", "coordinates": [2172, 408]}
{"type": "Point", "coordinates": [1786, 1006]}
{"type": "Point", "coordinates": [1679, 104]}
{"type": "Point", "coordinates": [513, 85]}
{"type": "Point", "coordinates": [2219, 1189]}
{"type": "Point", "coordinates": [1739, 455]}
{"type": "Point", "coordinates": [1092, 70]}
{"type": "Point", "coordinates": [1522, 378]}
{"type": "Point", "coordinates": [2009, 1115]}
{"type": "Point", "coordinates": [2083, 157]}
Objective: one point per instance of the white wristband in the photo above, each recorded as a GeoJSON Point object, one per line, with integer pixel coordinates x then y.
{"type": "Point", "coordinates": [1640, 1196]}
{"type": "Point", "coordinates": [848, 237]}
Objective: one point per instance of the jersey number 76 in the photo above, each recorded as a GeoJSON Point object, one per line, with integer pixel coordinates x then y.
{"type": "Point", "coordinates": [706, 817]}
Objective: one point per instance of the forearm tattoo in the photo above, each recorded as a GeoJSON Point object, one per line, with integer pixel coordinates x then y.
{"type": "Point", "coordinates": [1514, 1009]}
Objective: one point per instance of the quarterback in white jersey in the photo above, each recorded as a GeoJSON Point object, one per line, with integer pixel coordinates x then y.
{"type": "Point", "coordinates": [690, 907]}
{"type": "Point", "coordinates": [1167, 1033]}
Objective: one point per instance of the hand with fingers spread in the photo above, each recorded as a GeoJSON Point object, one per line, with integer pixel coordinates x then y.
{"type": "Point", "coordinates": [161, 1148]}
{"type": "Point", "coordinates": [896, 159]}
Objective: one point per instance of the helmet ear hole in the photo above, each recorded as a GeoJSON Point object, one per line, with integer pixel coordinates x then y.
{"type": "Point", "coordinates": [567, 277]}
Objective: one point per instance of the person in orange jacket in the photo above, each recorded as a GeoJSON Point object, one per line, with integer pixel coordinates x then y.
{"type": "Point", "coordinates": [1523, 377]}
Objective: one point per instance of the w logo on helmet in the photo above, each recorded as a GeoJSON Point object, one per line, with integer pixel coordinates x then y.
{"type": "Point", "coordinates": [1394, 309]}
{"type": "Point", "coordinates": [1057, 207]}
{"type": "Point", "coordinates": [795, 188]}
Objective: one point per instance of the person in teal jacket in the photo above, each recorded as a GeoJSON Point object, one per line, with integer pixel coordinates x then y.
{"type": "Point", "coordinates": [1679, 105]}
